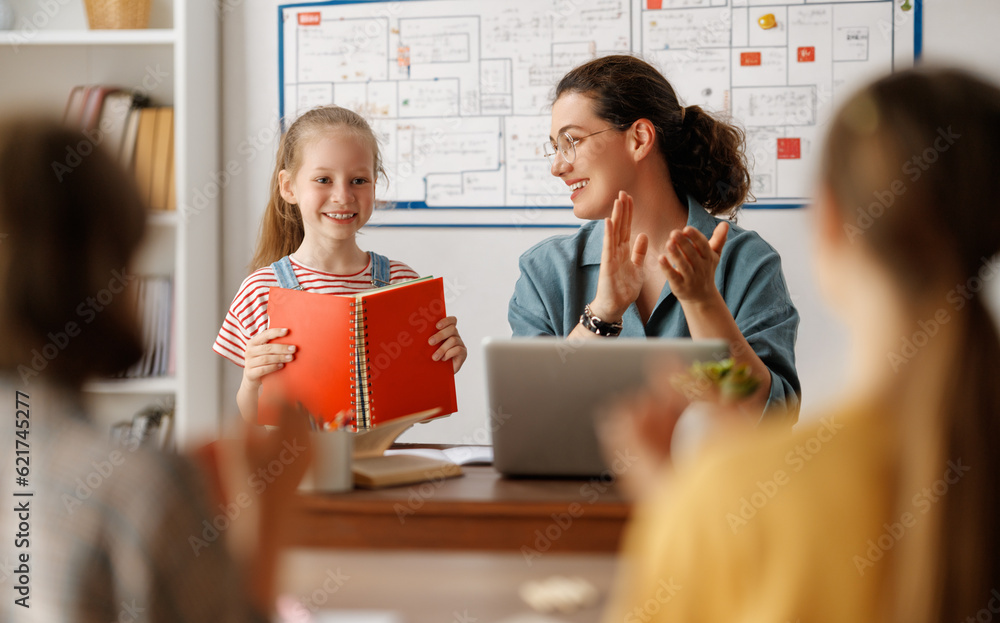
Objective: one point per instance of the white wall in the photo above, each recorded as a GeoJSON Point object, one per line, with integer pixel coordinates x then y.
{"type": "Point", "coordinates": [482, 264]}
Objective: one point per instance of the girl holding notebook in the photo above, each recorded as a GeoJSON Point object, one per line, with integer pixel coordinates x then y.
{"type": "Point", "coordinates": [655, 260]}
{"type": "Point", "coordinates": [322, 193]}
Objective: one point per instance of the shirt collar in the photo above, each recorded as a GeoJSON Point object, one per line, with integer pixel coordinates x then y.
{"type": "Point", "coordinates": [698, 218]}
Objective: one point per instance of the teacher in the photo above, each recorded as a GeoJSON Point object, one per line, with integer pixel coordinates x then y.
{"type": "Point", "coordinates": [653, 178]}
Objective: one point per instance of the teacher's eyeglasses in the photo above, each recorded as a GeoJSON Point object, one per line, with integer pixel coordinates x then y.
{"type": "Point", "coordinates": [565, 145]}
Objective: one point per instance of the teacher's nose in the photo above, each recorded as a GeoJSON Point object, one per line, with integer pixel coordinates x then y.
{"type": "Point", "coordinates": [559, 165]}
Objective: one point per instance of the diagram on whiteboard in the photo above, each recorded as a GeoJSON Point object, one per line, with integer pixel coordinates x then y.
{"type": "Point", "coordinates": [459, 91]}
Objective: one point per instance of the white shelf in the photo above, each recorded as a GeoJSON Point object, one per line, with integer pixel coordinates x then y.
{"type": "Point", "coordinates": [149, 36]}
{"type": "Point", "coordinates": [163, 219]}
{"type": "Point", "coordinates": [171, 64]}
{"type": "Point", "coordinates": [152, 385]}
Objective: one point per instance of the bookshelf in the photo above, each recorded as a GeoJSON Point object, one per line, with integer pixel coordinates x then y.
{"type": "Point", "coordinates": [176, 62]}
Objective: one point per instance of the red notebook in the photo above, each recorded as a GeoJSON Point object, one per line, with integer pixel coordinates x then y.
{"type": "Point", "coordinates": [366, 353]}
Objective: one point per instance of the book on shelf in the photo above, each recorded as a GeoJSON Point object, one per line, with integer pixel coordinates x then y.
{"type": "Point", "coordinates": [366, 354]}
{"type": "Point", "coordinates": [153, 159]}
{"type": "Point", "coordinates": [139, 136]}
{"type": "Point", "coordinates": [154, 301]}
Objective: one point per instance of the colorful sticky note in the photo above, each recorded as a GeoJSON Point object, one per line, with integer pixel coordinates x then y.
{"type": "Point", "coordinates": [789, 148]}
{"type": "Point", "coordinates": [749, 59]}
{"type": "Point", "coordinates": [767, 21]}
{"type": "Point", "coordinates": [654, 5]}
{"type": "Point", "coordinates": [313, 18]}
{"type": "Point", "coordinates": [807, 54]}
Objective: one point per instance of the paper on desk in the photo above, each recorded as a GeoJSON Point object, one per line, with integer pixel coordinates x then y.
{"type": "Point", "coordinates": [356, 616]}
{"type": "Point", "coordinates": [459, 455]}
{"type": "Point", "coordinates": [531, 617]}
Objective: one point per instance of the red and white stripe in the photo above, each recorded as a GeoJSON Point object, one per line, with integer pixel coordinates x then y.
{"type": "Point", "coordinates": [247, 315]}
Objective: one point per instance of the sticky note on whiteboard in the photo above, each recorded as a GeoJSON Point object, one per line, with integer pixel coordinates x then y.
{"type": "Point", "coordinates": [310, 19]}
{"type": "Point", "coordinates": [789, 149]}
{"type": "Point", "coordinates": [850, 44]}
{"type": "Point", "coordinates": [807, 54]}
{"type": "Point", "coordinates": [749, 59]}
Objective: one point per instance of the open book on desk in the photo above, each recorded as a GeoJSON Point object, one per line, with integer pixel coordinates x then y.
{"type": "Point", "coordinates": [373, 468]}
{"type": "Point", "coordinates": [365, 353]}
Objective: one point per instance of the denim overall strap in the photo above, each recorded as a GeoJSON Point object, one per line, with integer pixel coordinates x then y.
{"type": "Point", "coordinates": [286, 276]}
{"type": "Point", "coordinates": [380, 270]}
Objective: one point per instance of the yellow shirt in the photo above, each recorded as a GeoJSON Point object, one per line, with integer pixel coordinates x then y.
{"type": "Point", "coordinates": [780, 528]}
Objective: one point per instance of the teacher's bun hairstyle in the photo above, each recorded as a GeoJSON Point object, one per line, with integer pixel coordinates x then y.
{"type": "Point", "coordinates": [705, 155]}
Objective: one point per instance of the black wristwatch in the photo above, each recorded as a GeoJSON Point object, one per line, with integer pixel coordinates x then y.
{"type": "Point", "coordinates": [595, 325]}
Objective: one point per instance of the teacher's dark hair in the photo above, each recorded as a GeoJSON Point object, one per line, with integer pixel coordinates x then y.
{"type": "Point", "coordinates": [70, 222]}
{"type": "Point", "coordinates": [705, 156]}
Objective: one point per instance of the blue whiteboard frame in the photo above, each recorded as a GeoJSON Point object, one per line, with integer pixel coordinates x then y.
{"type": "Point", "coordinates": [422, 205]}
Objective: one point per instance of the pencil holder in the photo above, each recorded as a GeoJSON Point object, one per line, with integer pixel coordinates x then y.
{"type": "Point", "coordinates": [105, 14]}
{"type": "Point", "coordinates": [330, 471]}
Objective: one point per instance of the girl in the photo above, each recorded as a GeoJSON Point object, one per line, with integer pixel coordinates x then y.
{"type": "Point", "coordinates": [887, 508]}
{"type": "Point", "coordinates": [322, 193]}
{"type": "Point", "coordinates": [650, 174]}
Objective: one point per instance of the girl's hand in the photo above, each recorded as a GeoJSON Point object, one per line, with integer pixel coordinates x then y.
{"type": "Point", "coordinates": [690, 262]}
{"type": "Point", "coordinates": [452, 347]}
{"type": "Point", "coordinates": [263, 358]}
{"type": "Point", "coordinates": [622, 272]}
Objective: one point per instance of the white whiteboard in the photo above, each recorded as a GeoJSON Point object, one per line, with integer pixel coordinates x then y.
{"type": "Point", "coordinates": [459, 91]}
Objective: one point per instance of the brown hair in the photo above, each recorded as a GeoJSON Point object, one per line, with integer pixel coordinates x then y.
{"type": "Point", "coordinates": [281, 230]}
{"type": "Point", "coordinates": [926, 143]}
{"type": "Point", "coordinates": [70, 221]}
{"type": "Point", "coordinates": [705, 156]}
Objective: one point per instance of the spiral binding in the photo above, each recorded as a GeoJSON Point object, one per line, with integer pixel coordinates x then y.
{"type": "Point", "coordinates": [360, 368]}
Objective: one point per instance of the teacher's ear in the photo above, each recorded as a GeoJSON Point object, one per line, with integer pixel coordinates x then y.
{"type": "Point", "coordinates": [641, 139]}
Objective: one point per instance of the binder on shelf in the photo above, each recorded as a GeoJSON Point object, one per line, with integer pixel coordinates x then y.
{"type": "Point", "coordinates": [365, 353]}
{"type": "Point", "coordinates": [145, 146]}
{"type": "Point", "coordinates": [127, 154]}
{"type": "Point", "coordinates": [163, 155]}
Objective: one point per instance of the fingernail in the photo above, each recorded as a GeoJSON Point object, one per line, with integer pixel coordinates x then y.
{"type": "Point", "coordinates": [291, 349]}
{"type": "Point", "coordinates": [281, 365]}
{"type": "Point", "coordinates": [288, 357]}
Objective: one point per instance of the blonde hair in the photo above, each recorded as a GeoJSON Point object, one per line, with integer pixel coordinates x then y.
{"type": "Point", "coordinates": [281, 230]}
{"type": "Point", "coordinates": [941, 230]}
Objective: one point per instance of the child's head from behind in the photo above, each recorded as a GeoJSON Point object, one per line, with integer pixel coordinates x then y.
{"type": "Point", "coordinates": [68, 235]}
{"type": "Point", "coordinates": [909, 165]}
{"type": "Point", "coordinates": [907, 209]}
{"type": "Point", "coordinates": [323, 183]}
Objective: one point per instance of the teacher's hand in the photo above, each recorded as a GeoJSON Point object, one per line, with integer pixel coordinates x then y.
{"type": "Point", "coordinates": [622, 273]}
{"type": "Point", "coordinates": [690, 262]}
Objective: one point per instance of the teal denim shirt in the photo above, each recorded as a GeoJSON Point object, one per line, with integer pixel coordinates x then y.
{"type": "Point", "coordinates": [559, 276]}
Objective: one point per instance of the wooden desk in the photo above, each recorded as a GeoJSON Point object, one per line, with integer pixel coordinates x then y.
{"type": "Point", "coordinates": [480, 510]}
{"type": "Point", "coordinates": [425, 587]}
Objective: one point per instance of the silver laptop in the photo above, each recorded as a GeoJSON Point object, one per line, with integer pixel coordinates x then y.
{"type": "Point", "coordinates": [544, 392]}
